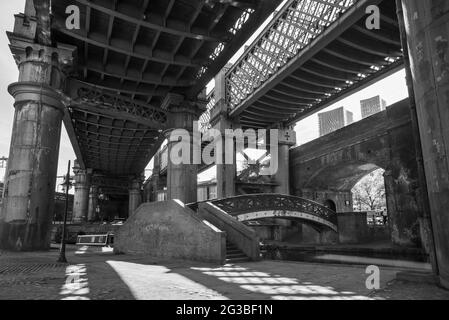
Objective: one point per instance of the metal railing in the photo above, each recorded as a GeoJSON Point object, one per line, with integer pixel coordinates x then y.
{"type": "Point", "coordinates": [284, 206]}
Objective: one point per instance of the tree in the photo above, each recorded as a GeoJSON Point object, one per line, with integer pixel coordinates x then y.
{"type": "Point", "coordinates": [369, 192]}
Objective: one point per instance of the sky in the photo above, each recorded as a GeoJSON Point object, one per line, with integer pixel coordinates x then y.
{"type": "Point", "coordinates": [391, 89]}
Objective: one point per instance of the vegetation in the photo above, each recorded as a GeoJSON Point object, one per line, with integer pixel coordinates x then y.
{"type": "Point", "coordinates": [369, 193]}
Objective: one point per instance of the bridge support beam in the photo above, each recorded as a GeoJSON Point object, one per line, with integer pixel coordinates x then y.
{"type": "Point", "coordinates": [135, 195]}
{"type": "Point", "coordinates": [33, 160]}
{"type": "Point", "coordinates": [81, 197]}
{"type": "Point", "coordinates": [427, 26]}
{"type": "Point", "coordinates": [92, 214]}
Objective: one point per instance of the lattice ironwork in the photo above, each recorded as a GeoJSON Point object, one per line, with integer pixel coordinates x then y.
{"type": "Point", "coordinates": [205, 117]}
{"type": "Point", "coordinates": [274, 202]}
{"type": "Point", "coordinates": [116, 103]}
{"type": "Point", "coordinates": [221, 46]}
{"type": "Point", "coordinates": [292, 29]}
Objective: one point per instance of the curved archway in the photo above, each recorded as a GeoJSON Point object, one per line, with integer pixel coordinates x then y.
{"type": "Point", "coordinates": [343, 176]}
{"type": "Point", "coordinates": [330, 204]}
{"type": "Point", "coordinates": [369, 192]}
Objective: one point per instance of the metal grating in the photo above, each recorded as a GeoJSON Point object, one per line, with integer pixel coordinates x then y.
{"type": "Point", "coordinates": [30, 268]}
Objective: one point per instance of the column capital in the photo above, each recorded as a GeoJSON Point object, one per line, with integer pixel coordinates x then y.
{"type": "Point", "coordinates": [42, 70]}
{"type": "Point", "coordinates": [39, 63]}
{"type": "Point", "coordinates": [136, 184]}
{"type": "Point", "coordinates": [287, 137]}
{"type": "Point", "coordinates": [94, 190]}
{"type": "Point", "coordinates": [183, 112]}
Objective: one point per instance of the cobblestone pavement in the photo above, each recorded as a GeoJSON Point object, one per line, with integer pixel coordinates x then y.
{"type": "Point", "coordinates": [92, 274]}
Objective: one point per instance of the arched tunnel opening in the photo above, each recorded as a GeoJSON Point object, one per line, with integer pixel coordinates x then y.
{"type": "Point", "coordinates": [368, 195]}
{"type": "Point", "coordinates": [356, 191]}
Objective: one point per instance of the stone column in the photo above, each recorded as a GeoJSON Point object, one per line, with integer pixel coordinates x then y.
{"type": "Point", "coordinates": [33, 160]}
{"type": "Point", "coordinates": [81, 197]}
{"type": "Point", "coordinates": [135, 195]}
{"type": "Point", "coordinates": [182, 175]}
{"type": "Point", "coordinates": [92, 214]}
{"type": "Point", "coordinates": [427, 26]}
{"type": "Point", "coordinates": [287, 139]}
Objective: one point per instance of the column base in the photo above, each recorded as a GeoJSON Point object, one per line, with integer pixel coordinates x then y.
{"type": "Point", "coordinates": [24, 237]}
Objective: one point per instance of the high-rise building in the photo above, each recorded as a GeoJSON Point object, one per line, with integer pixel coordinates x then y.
{"type": "Point", "coordinates": [334, 120]}
{"type": "Point", "coordinates": [372, 106]}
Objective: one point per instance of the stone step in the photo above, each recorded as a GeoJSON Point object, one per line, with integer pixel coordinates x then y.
{"type": "Point", "coordinates": [237, 260]}
{"type": "Point", "coordinates": [233, 251]}
{"type": "Point", "coordinates": [235, 255]}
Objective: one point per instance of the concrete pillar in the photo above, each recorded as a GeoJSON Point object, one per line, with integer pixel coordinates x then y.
{"type": "Point", "coordinates": [33, 160]}
{"type": "Point", "coordinates": [92, 214]}
{"type": "Point", "coordinates": [427, 26]}
{"type": "Point", "coordinates": [135, 195]}
{"type": "Point", "coordinates": [81, 196]}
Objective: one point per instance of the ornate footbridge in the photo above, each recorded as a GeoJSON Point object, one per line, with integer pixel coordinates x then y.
{"type": "Point", "coordinates": [123, 74]}
{"type": "Point", "coordinates": [262, 206]}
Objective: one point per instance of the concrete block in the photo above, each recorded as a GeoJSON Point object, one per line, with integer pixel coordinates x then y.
{"type": "Point", "coordinates": [170, 230]}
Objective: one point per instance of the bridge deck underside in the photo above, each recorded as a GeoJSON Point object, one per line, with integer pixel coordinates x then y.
{"type": "Point", "coordinates": [345, 57]}
{"type": "Point", "coordinates": [130, 55]}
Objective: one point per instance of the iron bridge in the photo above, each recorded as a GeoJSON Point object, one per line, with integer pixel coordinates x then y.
{"type": "Point", "coordinates": [261, 206]}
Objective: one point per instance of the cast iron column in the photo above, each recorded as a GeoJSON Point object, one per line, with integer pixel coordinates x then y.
{"type": "Point", "coordinates": [219, 120]}
{"type": "Point", "coordinates": [81, 196]}
{"type": "Point", "coordinates": [135, 195]}
{"type": "Point", "coordinates": [287, 139]}
{"type": "Point", "coordinates": [92, 214]}
{"type": "Point", "coordinates": [31, 176]}
{"type": "Point", "coordinates": [182, 177]}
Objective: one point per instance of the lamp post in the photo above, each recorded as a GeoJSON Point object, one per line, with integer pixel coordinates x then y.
{"type": "Point", "coordinates": [66, 185]}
